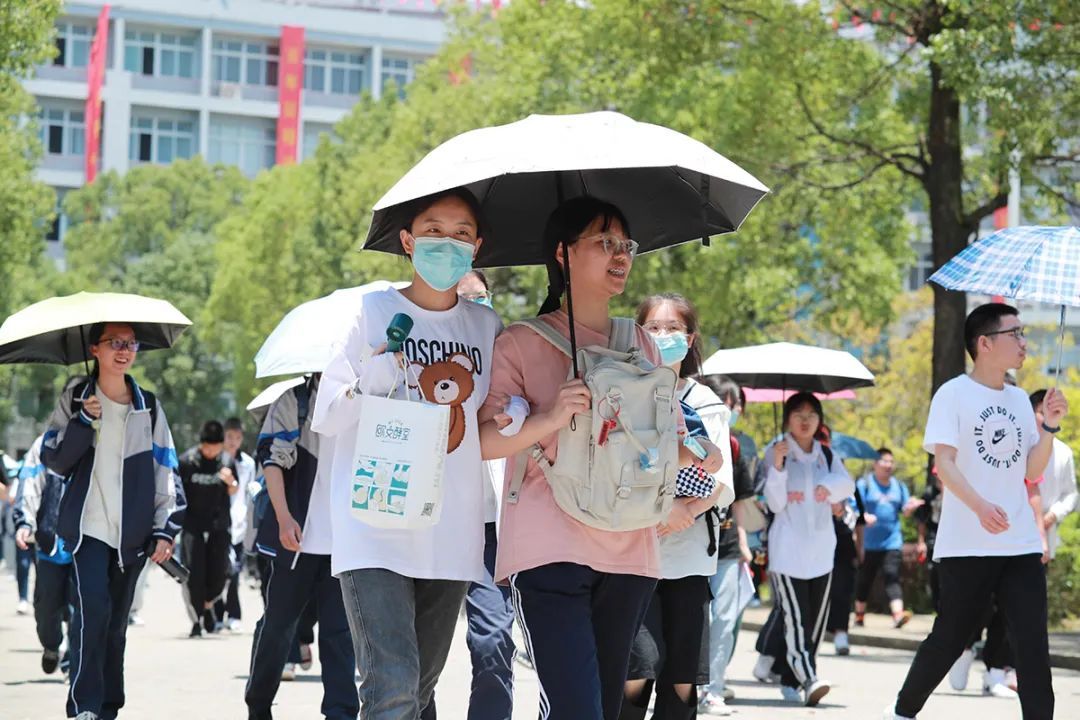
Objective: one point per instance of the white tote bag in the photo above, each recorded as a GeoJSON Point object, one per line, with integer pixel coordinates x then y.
{"type": "Point", "coordinates": [398, 463]}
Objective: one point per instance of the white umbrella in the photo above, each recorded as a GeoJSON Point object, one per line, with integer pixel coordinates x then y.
{"type": "Point", "coordinates": [304, 339]}
{"type": "Point", "coordinates": [259, 406]}
{"type": "Point", "coordinates": [56, 330]}
{"type": "Point", "coordinates": [672, 188]}
{"type": "Point", "coordinates": [788, 366]}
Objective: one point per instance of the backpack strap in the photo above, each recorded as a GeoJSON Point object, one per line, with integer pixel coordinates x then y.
{"type": "Point", "coordinates": [623, 334]}
{"type": "Point", "coordinates": [828, 453]}
{"type": "Point", "coordinates": [544, 330]}
{"type": "Point", "coordinates": [303, 401]}
{"type": "Point", "coordinates": [521, 461]}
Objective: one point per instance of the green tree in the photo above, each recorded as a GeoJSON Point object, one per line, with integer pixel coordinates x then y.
{"type": "Point", "coordinates": [945, 96]}
{"type": "Point", "coordinates": [152, 232]}
{"type": "Point", "coordinates": [25, 205]}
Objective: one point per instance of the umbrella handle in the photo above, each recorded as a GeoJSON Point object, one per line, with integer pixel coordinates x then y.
{"type": "Point", "coordinates": [1061, 342]}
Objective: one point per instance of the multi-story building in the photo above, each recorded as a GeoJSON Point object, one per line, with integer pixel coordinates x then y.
{"type": "Point", "coordinates": [201, 77]}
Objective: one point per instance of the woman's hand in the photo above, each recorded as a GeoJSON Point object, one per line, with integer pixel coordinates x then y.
{"type": "Point", "coordinates": [680, 518]}
{"type": "Point", "coordinates": [795, 496]}
{"type": "Point", "coordinates": [780, 452]}
{"type": "Point", "coordinates": [500, 400]}
{"type": "Point", "coordinates": [713, 460]}
{"type": "Point", "coordinates": [573, 398]}
{"type": "Point", "coordinates": [92, 407]}
{"type": "Point", "coordinates": [821, 494]}
{"type": "Point", "coordinates": [162, 552]}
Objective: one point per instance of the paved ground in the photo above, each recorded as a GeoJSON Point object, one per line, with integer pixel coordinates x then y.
{"type": "Point", "coordinates": [170, 676]}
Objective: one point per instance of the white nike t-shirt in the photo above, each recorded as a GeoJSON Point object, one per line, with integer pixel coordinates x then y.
{"type": "Point", "coordinates": [993, 431]}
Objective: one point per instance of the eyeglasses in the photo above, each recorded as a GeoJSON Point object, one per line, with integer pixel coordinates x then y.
{"type": "Point", "coordinates": [474, 297]}
{"type": "Point", "coordinates": [662, 328]}
{"type": "Point", "coordinates": [1017, 332]}
{"type": "Point", "coordinates": [805, 417]}
{"type": "Point", "coordinates": [117, 344]}
{"type": "Point", "coordinates": [615, 245]}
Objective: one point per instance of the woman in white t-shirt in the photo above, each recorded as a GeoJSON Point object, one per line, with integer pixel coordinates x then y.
{"type": "Point", "coordinates": [670, 650]}
{"type": "Point", "coordinates": [803, 480]}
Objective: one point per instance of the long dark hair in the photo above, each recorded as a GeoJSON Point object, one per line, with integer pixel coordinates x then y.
{"type": "Point", "coordinates": [565, 224]}
{"type": "Point", "coordinates": [691, 364]}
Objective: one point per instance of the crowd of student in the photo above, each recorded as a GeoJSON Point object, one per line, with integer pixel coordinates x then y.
{"type": "Point", "coordinates": [615, 616]}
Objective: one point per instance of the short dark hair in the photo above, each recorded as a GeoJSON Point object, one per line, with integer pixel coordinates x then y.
{"type": "Point", "coordinates": [883, 451]}
{"type": "Point", "coordinates": [725, 388]}
{"type": "Point", "coordinates": [414, 208]}
{"type": "Point", "coordinates": [984, 320]}
{"type": "Point", "coordinates": [234, 423]}
{"type": "Point", "coordinates": [797, 400]}
{"type": "Point", "coordinates": [212, 433]}
{"type": "Point", "coordinates": [1037, 398]}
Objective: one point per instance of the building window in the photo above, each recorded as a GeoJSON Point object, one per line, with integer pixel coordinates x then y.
{"type": "Point", "coordinates": [247, 63]}
{"type": "Point", "coordinates": [922, 268]}
{"type": "Point", "coordinates": [73, 45]}
{"type": "Point", "coordinates": [248, 144]}
{"type": "Point", "coordinates": [160, 54]}
{"type": "Point", "coordinates": [56, 229]}
{"type": "Point", "coordinates": [336, 72]}
{"type": "Point", "coordinates": [313, 132]}
{"type": "Point", "coordinates": [400, 70]}
{"type": "Point", "coordinates": [62, 130]}
{"type": "Point", "coordinates": [160, 139]}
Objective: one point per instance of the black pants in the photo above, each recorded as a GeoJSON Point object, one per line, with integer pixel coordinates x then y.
{"type": "Point", "coordinates": [206, 555]}
{"type": "Point", "coordinates": [843, 592]}
{"type": "Point", "coordinates": [103, 594]}
{"type": "Point", "coordinates": [288, 591]}
{"type": "Point", "coordinates": [230, 604]}
{"type": "Point", "coordinates": [54, 593]}
{"type": "Point", "coordinates": [578, 626]}
{"type": "Point", "coordinates": [968, 586]}
{"type": "Point", "coordinates": [804, 606]}
{"type": "Point", "coordinates": [888, 562]}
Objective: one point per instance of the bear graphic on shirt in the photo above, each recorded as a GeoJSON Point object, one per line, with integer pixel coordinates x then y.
{"type": "Point", "coordinates": [447, 382]}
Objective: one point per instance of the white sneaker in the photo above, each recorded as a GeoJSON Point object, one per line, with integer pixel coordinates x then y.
{"type": "Point", "coordinates": [728, 694]}
{"type": "Point", "coordinates": [234, 625]}
{"type": "Point", "coordinates": [840, 642]}
{"type": "Point", "coordinates": [136, 620]}
{"type": "Point", "coordinates": [890, 714]}
{"type": "Point", "coordinates": [23, 608]}
{"type": "Point", "coordinates": [958, 675]}
{"type": "Point", "coordinates": [710, 704]}
{"type": "Point", "coordinates": [763, 670]}
{"type": "Point", "coordinates": [1010, 679]}
{"type": "Point", "coordinates": [994, 685]}
{"type": "Point", "coordinates": [813, 694]}
{"type": "Point", "coordinates": [791, 694]}
{"type": "Point", "coordinates": [288, 672]}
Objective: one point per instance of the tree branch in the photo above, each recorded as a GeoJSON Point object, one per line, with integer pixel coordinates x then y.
{"type": "Point", "coordinates": [973, 218]}
{"type": "Point", "coordinates": [848, 185]}
{"type": "Point", "coordinates": [863, 16]}
{"type": "Point", "coordinates": [894, 159]}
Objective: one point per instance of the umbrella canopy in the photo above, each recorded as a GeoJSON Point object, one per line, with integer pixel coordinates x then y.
{"type": "Point", "coordinates": [790, 367]}
{"type": "Point", "coordinates": [56, 330]}
{"type": "Point", "coordinates": [1034, 263]}
{"type": "Point", "coordinates": [852, 448]}
{"type": "Point", "coordinates": [1038, 264]}
{"type": "Point", "coordinates": [671, 187]}
{"type": "Point", "coordinates": [259, 406]}
{"type": "Point", "coordinates": [304, 339]}
{"type": "Point", "coordinates": [766, 395]}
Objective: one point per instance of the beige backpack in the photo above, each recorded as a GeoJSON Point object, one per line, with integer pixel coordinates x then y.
{"type": "Point", "coordinates": [616, 465]}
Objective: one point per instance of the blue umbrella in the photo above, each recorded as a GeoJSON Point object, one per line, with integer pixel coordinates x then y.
{"type": "Point", "coordinates": [1038, 263]}
{"type": "Point", "coordinates": [852, 448]}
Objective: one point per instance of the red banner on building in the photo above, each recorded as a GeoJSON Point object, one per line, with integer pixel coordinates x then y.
{"type": "Point", "coordinates": [95, 77]}
{"type": "Point", "coordinates": [290, 80]}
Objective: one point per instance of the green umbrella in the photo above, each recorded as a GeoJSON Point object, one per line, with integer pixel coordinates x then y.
{"type": "Point", "coordinates": [57, 330]}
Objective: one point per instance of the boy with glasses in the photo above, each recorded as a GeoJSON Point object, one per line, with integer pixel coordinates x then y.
{"type": "Point", "coordinates": [986, 441]}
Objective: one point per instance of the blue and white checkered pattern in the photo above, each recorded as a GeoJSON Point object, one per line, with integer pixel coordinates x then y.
{"type": "Point", "coordinates": [1038, 264]}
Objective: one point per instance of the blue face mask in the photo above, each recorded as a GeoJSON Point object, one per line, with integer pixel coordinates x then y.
{"type": "Point", "coordinates": [485, 301]}
{"type": "Point", "coordinates": [442, 262]}
{"type": "Point", "coordinates": [673, 347]}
